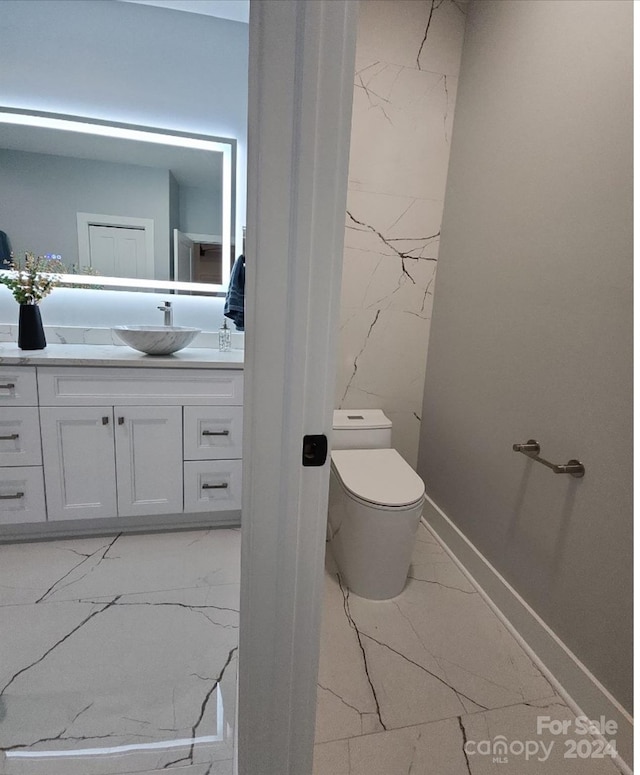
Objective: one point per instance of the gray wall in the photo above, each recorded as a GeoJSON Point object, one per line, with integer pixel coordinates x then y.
{"type": "Point", "coordinates": [126, 62]}
{"type": "Point", "coordinates": [532, 328]}
{"type": "Point", "coordinates": [42, 194]}
{"type": "Point", "coordinates": [200, 210]}
{"type": "Point", "coordinates": [132, 63]}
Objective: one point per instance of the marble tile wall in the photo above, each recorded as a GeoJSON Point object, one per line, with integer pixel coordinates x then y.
{"type": "Point", "coordinates": [407, 59]}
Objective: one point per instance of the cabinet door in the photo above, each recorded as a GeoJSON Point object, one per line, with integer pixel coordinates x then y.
{"type": "Point", "coordinates": [149, 459]}
{"type": "Point", "coordinates": [79, 462]}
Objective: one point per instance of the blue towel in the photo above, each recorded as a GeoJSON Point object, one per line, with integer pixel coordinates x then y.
{"type": "Point", "coordinates": [5, 251]}
{"type": "Point", "coordinates": [234, 304]}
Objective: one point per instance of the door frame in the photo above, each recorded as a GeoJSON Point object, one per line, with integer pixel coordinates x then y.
{"type": "Point", "coordinates": [301, 64]}
{"type": "Point", "coordinates": [86, 220]}
{"type": "Point", "coordinates": [193, 237]}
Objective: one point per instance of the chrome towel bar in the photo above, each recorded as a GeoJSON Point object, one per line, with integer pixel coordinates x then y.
{"type": "Point", "coordinates": [532, 450]}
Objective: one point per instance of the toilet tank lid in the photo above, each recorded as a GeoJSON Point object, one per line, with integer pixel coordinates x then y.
{"type": "Point", "coordinates": [379, 476]}
{"type": "Point", "coordinates": [351, 419]}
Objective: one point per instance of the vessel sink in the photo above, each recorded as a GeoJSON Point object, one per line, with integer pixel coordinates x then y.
{"type": "Point", "coordinates": [156, 340]}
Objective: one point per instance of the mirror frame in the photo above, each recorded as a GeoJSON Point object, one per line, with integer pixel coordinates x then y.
{"type": "Point", "coordinates": [168, 137]}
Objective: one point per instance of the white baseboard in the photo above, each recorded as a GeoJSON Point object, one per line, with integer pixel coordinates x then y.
{"type": "Point", "coordinates": [89, 528]}
{"type": "Point", "coordinates": [581, 690]}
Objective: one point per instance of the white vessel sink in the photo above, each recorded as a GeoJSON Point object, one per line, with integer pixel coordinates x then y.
{"type": "Point", "coordinates": [156, 340]}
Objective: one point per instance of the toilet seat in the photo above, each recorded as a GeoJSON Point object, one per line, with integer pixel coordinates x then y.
{"type": "Point", "coordinates": [378, 477]}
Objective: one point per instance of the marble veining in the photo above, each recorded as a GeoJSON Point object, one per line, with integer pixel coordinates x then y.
{"type": "Point", "coordinates": [405, 683]}
{"type": "Point", "coordinates": [111, 355]}
{"type": "Point", "coordinates": [405, 83]}
{"type": "Point", "coordinates": [156, 340]}
{"type": "Point", "coordinates": [436, 5]}
{"type": "Point", "coordinates": [97, 335]}
{"type": "Point", "coordinates": [119, 654]}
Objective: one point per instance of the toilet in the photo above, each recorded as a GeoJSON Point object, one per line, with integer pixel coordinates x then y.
{"type": "Point", "coordinates": [375, 505]}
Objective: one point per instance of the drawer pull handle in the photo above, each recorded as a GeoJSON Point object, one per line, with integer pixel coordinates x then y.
{"type": "Point", "coordinates": [120, 420]}
{"type": "Point", "coordinates": [7, 386]}
{"type": "Point", "coordinates": [11, 497]}
{"type": "Point", "coordinates": [10, 437]}
{"type": "Point", "coordinates": [105, 421]}
{"type": "Point", "coordinates": [222, 486]}
{"type": "Point", "coordinates": [215, 433]}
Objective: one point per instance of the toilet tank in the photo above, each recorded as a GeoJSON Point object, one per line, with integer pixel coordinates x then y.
{"type": "Point", "coordinates": [360, 429]}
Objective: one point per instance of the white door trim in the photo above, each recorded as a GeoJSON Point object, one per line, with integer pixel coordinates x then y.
{"type": "Point", "coordinates": [204, 237]}
{"type": "Point", "coordinates": [85, 220]}
{"type": "Point", "coordinates": [301, 66]}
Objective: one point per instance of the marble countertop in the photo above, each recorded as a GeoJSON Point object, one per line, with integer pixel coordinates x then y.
{"type": "Point", "coordinates": [115, 355]}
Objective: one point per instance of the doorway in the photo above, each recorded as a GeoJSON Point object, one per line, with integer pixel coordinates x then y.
{"type": "Point", "coordinates": [199, 258]}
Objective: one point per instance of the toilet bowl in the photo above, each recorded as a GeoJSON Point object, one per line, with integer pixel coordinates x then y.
{"type": "Point", "coordinates": [375, 505]}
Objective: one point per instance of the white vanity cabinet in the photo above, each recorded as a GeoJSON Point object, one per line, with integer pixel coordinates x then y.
{"type": "Point", "coordinates": [102, 461]}
{"type": "Point", "coordinates": [22, 497]}
{"type": "Point", "coordinates": [141, 446]}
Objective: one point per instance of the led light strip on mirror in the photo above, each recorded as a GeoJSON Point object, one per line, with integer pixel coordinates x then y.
{"type": "Point", "coordinates": [223, 146]}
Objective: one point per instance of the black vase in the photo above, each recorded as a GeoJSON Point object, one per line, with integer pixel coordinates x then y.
{"type": "Point", "coordinates": [30, 330]}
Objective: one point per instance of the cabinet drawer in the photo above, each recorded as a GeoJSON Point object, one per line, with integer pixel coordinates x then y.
{"type": "Point", "coordinates": [138, 387]}
{"type": "Point", "coordinates": [214, 485]}
{"type": "Point", "coordinates": [18, 386]}
{"type": "Point", "coordinates": [212, 432]}
{"type": "Point", "coordinates": [21, 495]}
{"type": "Point", "coordinates": [20, 436]}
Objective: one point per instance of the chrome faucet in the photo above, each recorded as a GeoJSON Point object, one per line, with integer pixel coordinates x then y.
{"type": "Point", "coordinates": [168, 313]}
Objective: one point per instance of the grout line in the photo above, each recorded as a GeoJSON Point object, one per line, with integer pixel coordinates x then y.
{"type": "Point", "coordinates": [444, 718]}
{"type": "Point", "coordinates": [555, 683]}
{"type": "Point", "coordinates": [527, 607]}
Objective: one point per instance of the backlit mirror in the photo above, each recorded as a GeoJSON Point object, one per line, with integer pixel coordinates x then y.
{"type": "Point", "coordinates": [118, 206]}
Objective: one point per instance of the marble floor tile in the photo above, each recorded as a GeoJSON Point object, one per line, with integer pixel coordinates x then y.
{"type": "Point", "coordinates": [465, 745]}
{"type": "Point", "coordinates": [119, 654]}
{"type": "Point", "coordinates": [429, 748]}
{"type": "Point", "coordinates": [404, 683]}
{"type": "Point", "coordinates": [69, 569]}
{"type": "Point", "coordinates": [541, 753]}
{"type": "Point", "coordinates": [48, 767]}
